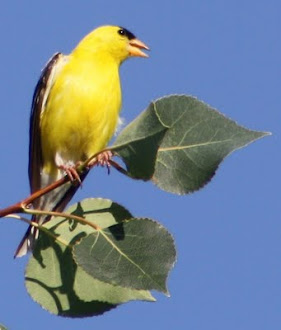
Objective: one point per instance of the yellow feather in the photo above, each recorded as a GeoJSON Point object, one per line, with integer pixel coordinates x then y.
{"type": "Point", "coordinates": [82, 111]}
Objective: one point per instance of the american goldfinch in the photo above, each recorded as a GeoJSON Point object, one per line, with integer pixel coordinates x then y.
{"type": "Point", "coordinates": [74, 114]}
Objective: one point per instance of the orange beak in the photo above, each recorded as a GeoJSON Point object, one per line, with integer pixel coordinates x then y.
{"type": "Point", "coordinates": [135, 46]}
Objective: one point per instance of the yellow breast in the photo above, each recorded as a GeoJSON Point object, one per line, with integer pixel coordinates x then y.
{"type": "Point", "coordinates": [82, 110]}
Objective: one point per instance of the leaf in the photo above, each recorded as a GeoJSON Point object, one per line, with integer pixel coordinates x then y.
{"type": "Point", "coordinates": [50, 277]}
{"type": "Point", "coordinates": [138, 144]}
{"type": "Point", "coordinates": [137, 254]}
{"type": "Point", "coordinates": [55, 281]}
{"type": "Point", "coordinates": [2, 327]}
{"type": "Point", "coordinates": [193, 140]}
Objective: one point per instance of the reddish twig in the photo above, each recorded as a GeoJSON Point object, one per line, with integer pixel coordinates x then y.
{"type": "Point", "coordinates": [119, 168]}
{"type": "Point", "coordinates": [20, 207]}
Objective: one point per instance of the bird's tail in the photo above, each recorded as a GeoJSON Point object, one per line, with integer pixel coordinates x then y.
{"type": "Point", "coordinates": [27, 241]}
{"type": "Point", "coordinates": [56, 201]}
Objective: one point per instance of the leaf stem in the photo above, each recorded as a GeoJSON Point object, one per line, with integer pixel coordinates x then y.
{"type": "Point", "coordinates": [42, 228]}
{"type": "Point", "coordinates": [119, 168]}
{"type": "Point", "coordinates": [63, 215]}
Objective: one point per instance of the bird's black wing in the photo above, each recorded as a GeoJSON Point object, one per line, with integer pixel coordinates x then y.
{"type": "Point", "coordinates": [57, 199]}
{"type": "Point", "coordinates": [39, 101]}
{"type": "Point", "coordinates": [40, 98]}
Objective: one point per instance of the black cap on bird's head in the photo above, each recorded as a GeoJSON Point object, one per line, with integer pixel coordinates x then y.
{"type": "Point", "coordinates": [126, 33]}
{"type": "Point", "coordinates": [135, 45]}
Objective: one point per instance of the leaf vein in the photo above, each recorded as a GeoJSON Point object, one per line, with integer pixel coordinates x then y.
{"type": "Point", "coordinates": [192, 145]}
{"type": "Point", "coordinates": [128, 258]}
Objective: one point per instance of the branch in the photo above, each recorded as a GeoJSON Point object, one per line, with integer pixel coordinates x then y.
{"type": "Point", "coordinates": [22, 206]}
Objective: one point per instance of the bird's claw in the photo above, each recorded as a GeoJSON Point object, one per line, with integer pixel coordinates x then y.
{"type": "Point", "coordinates": [104, 159]}
{"type": "Point", "coordinates": [72, 173]}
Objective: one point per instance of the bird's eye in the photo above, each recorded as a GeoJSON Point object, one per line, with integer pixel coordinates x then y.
{"type": "Point", "coordinates": [126, 33]}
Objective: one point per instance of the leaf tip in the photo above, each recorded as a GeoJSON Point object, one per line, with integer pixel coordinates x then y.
{"type": "Point", "coordinates": [267, 133]}
{"type": "Point", "coordinates": [167, 293]}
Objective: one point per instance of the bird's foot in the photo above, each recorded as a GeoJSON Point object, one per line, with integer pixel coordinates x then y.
{"type": "Point", "coordinates": [71, 172]}
{"type": "Point", "coordinates": [102, 159]}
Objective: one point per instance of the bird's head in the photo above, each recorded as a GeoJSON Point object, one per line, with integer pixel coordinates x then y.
{"type": "Point", "coordinates": [114, 40]}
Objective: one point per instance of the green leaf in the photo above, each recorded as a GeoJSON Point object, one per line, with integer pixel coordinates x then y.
{"type": "Point", "coordinates": [55, 281]}
{"type": "Point", "coordinates": [138, 144]}
{"type": "Point", "coordinates": [190, 140]}
{"type": "Point", "coordinates": [138, 253]}
{"type": "Point", "coordinates": [2, 327]}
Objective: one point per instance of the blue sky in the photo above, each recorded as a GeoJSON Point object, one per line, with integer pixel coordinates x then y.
{"type": "Point", "coordinates": [227, 53]}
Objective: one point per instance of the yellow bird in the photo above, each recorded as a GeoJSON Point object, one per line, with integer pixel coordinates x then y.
{"type": "Point", "coordinates": [75, 111]}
